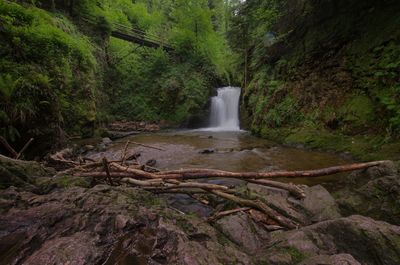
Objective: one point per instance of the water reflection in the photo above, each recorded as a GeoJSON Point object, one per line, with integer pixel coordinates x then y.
{"type": "Point", "coordinates": [233, 151]}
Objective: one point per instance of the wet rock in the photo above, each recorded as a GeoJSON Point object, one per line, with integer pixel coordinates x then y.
{"type": "Point", "coordinates": [151, 162]}
{"type": "Point", "coordinates": [106, 141]}
{"type": "Point", "coordinates": [105, 225]}
{"type": "Point", "coordinates": [101, 147]}
{"type": "Point", "coordinates": [134, 156]}
{"type": "Point", "coordinates": [187, 204]}
{"type": "Point", "coordinates": [63, 251]}
{"type": "Point", "coordinates": [207, 151]}
{"type": "Point", "coordinates": [379, 199]}
{"type": "Point", "coordinates": [320, 204]}
{"type": "Point", "coordinates": [241, 229]}
{"type": "Point", "coordinates": [280, 199]}
{"type": "Point", "coordinates": [339, 259]}
{"type": "Point", "coordinates": [367, 240]}
{"type": "Point", "coordinates": [374, 192]}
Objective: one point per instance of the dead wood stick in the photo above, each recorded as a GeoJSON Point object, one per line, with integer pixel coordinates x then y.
{"type": "Point", "coordinates": [179, 191]}
{"type": "Point", "coordinates": [272, 228]}
{"type": "Point", "coordinates": [190, 170]}
{"type": "Point", "coordinates": [226, 213]}
{"type": "Point", "coordinates": [137, 172]}
{"type": "Point", "coordinates": [148, 146]}
{"type": "Point", "coordinates": [211, 173]}
{"type": "Point", "coordinates": [104, 175]}
{"type": "Point", "coordinates": [107, 170]}
{"type": "Point", "coordinates": [188, 191]}
{"type": "Point", "coordinates": [6, 145]}
{"type": "Point", "coordinates": [89, 159]}
{"type": "Point", "coordinates": [194, 185]}
{"type": "Point", "coordinates": [141, 173]}
{"type": "Point", "coordinates": [199, 199]}
{"type": "Point", "coordinates": [24, 148]}
{"type": "Point", "coordinates": [293, 189]}
{"type": "Point", "coordinates": [141, 183]}
{"type": "Point", "coordinates": [281, 220]}
{"type": "Point", "coordinates": [124, 153]}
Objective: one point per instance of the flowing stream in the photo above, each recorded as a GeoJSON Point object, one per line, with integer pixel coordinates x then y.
{"type": "Point", "coordinates": [222, 146]}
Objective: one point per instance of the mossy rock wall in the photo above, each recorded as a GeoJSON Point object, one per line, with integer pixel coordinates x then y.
{"type": "Point", "coordinates": [334, 68]}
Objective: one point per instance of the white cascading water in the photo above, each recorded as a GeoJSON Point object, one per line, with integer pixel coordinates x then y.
{"type": "Point", "coordinates": [225, 109]}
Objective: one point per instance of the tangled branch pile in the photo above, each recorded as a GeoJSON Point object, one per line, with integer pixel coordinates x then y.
{"type": "Point", "coordinates": [128, 171]}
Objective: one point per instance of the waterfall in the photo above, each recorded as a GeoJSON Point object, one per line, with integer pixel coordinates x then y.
{"type": "Point", "coordinates": [225, 109]}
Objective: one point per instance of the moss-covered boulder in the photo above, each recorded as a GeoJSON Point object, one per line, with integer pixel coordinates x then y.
{"type": "Point", "coordinates": [374, 192]}
{"type": "Point", "coordinates": [368, 242]}
{"type": "Point", "coordinates": [20, 173]}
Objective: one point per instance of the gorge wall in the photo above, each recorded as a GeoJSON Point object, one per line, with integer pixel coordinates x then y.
{"type": "Point", "coordinates": [325, 74]}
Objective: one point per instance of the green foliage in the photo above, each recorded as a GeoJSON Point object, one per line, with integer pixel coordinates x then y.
{"type": "Point", "coordinates": [383, 62]}
{"type": "Point", "coordinates": [157, 88]}
{"type": "Point", "coordinates": [283, 113]}
{"type": "Point", "coordinates": [153, 85]}
{"type": "Point", "coordinates": [48, 70]}
{"type": "Point", "coordinates": [55, 78]}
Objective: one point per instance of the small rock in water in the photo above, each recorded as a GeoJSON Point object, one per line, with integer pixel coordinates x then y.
{"type": "Point", "coordinates": [207, 151]}
{"type": "Point", "coordinates": [88, 147]}
{"type": "Point", "coordinates": [151, 162]}
{"type": "Point", "coordinates": [106, 141]}
{"type": "Point", "coordinates": [101, 147]}
{"type": "Point", "coordinates": [134, 156]}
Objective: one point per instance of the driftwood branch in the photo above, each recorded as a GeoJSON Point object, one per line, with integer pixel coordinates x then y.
{"type": "Point", "coordinates": [107, 170]}
{"type": "Point", "coordinates": [24, 148]}
{"type": "Point", "coordinates": [184, 181]}
{"type": "Point", "coordinates": [124, 153]}
{"type": "Point", "coordinates": [257, 204]}
{"type": "Point", "coordinates": [7, 146]}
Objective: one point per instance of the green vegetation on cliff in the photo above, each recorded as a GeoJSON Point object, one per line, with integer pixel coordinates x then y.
{"type": "Point", "coordinates": [322, 74]}
{"type": "Point", "coordinates": [47, 73]}
{"type": "Point", "coordinates": [61, 74]}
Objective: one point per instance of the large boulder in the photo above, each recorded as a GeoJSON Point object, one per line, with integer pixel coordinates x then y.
{"type": "Point", "coordinates": [242, 230]}
{"type": "Point", "coordinates": [23, 174]}
{"type": "Point", "coordinates": [368, 241]}
{"type": "Point", "coordinates": [374, 193]}
{"type": "Point", "coordinates": [318, 204]}
{"type": "Point", "coordinates": [106, 225]}
{"type": "Point", "coordinates": [338, 259]}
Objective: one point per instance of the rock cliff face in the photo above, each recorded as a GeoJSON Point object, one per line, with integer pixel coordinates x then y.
{"type": "Point", "coordinates": [333, 68]}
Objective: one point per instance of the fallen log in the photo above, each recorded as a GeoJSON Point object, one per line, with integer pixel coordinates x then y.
{"type": "Point", "coordinates": [177, 181]}
{"type": "Point", "coordinates": [211, 173]}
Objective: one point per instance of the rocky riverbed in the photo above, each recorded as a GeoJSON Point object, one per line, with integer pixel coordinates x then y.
{"type": "Point", "coordinates": [67, 220]}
